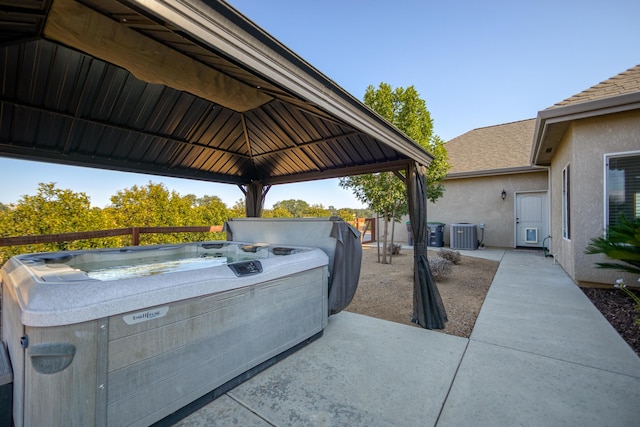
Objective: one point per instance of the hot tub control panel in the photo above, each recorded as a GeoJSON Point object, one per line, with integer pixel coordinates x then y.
{"type": "Point", "coordinates": [246, 268]}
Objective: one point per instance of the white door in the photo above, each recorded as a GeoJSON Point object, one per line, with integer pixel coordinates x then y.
{"type": "Point", "coordinates": [531, 220]}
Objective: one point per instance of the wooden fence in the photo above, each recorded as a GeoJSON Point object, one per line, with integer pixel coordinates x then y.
{"type": "Point", "coordinates": [134, 232]}
{"type": "Point", "coordinates": [366, 226]}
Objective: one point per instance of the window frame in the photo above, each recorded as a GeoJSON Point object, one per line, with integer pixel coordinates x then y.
{"type": "Point", "coordinates": [607, 158]}
{"type": "Point", "coordinates": [566, 202]}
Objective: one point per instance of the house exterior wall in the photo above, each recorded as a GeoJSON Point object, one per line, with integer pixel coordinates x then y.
{"type": "Point", "coordinates": [584, 147]}
{"type": "Point", "coordinates": [478, 200]}
{"type": "Point", "coordinates": [561, 247]}
{"type": "Point", "coordinates": [398, 231]}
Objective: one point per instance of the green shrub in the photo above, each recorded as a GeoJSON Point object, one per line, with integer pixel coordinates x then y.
{"type": "Point", "coordinates": [622, 243]}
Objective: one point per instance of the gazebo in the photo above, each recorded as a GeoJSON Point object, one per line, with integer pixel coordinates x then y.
{"type": "Point", "coordinates": [192, 89]}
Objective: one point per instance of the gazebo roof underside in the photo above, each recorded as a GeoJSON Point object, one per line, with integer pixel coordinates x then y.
{"type": "Point", "coordinates": [184, 89]}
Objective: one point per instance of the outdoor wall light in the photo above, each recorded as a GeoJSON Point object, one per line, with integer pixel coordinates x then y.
{"type": "Point", "coordinates": [504, 194]}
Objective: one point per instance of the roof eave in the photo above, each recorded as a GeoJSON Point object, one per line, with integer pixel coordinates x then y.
{"type": "Point", "coordinates": [552, 123]}
{"type": "Point", "coordinates": [494, 172]}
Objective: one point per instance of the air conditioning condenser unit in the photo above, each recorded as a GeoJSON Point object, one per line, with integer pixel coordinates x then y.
{"type": "Point", "coordinates": [464, 236]}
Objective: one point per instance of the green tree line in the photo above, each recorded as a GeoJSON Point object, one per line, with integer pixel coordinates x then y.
{"type": "Point", "coordinates": [54, 210]}
{"type": "Point", "coordinates": [385, 192]}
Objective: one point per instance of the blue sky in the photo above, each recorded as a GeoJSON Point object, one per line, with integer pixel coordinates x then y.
{"type": "Point", "coordinates": [474, 63]}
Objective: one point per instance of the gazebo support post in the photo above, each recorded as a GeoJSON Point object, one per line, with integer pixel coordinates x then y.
{"type": "Point", "coordinates": [428, 308]}
{"type": "Point", "coordinates": [254, 193]}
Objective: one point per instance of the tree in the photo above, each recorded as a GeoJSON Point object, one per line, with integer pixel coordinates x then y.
{"type": "Point", "coordinates": [296, 208]}
{"type": "Point", "coordinates": [347, 214]}
{"type": "Point", "coordinates": [276, 212]}
{"type": "Point", "coordinates": [317, 211]}
{"type": "Point", "coordinates": [204, 200]}
{"type": "Point", "coordinates": [238, 210]}
{"type": "Point", "coordinates": [152, 206]}
{"type": "Point", "coordinates": [208, 210]}
{"type": "Point", "coordinates": [51, 211]}
{"type": "Point", "coordinates": [437, 170]}
{"type": "Point", "coordinates": [385, 192]}
{"type": "Point", "coordinates": [364, 213]}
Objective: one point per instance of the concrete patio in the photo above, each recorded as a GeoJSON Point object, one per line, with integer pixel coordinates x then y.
{"type": "Point", "coordinates": [540, 354]}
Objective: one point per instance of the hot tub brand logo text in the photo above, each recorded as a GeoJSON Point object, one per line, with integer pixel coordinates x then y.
{"type": "Point", "coordinates": [143, 316]}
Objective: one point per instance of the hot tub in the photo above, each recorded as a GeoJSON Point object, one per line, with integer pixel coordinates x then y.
{"type": "Point", "coordinates": [127, 336]}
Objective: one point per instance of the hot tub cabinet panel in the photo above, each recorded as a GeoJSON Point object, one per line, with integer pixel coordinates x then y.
{"type": "Point", "coordinates": [68, 397]}
{"type": "Point", "coordinates": [137, 366]}
{"type": "Point", "coordinates": [205, 343]}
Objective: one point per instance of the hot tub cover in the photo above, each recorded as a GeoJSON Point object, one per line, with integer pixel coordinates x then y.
{"type": "Point", "coordinates": [337, 238]}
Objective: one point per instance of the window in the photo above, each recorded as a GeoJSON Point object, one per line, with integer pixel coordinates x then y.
{"type": "Point", "coordinates": [566, 203]}
{"type": "Point", "coordinates": [622, 187]}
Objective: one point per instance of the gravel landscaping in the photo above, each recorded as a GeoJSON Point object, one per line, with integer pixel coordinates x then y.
{"type": "Point", "coordinates": [385, 291]}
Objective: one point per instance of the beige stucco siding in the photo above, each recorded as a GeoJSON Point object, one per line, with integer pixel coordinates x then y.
{"type": "Point", "coordinates": [478, 200]}
{"type": "Point", "coordinates": [584, 147]}
{"type": "Point", "coordinates": [562, 248]}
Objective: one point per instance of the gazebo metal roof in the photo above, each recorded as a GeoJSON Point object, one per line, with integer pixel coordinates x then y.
{"type": "Point", "coordinates": [181, 88]}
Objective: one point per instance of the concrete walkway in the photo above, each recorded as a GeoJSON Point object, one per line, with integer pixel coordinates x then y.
{"type": "Point", "coordinates": [540, 355]}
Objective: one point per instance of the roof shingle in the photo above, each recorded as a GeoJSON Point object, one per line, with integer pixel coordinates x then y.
{"type": "Point", "coordinates": [626, 82]}
{"type": "Point", "coordinates": [497, 147]}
